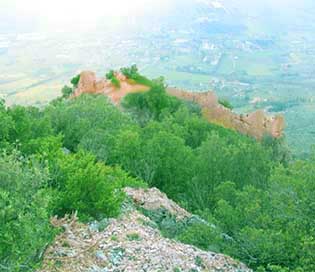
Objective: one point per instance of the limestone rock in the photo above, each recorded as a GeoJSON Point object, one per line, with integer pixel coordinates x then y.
{"type": "Point", "coordinates": [153, 199]}
{"type": "Point", "coordinates": [130, 243]}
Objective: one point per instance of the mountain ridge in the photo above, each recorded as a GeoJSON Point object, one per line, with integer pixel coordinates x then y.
{"type": "Point", "coordinates": [256, 124]}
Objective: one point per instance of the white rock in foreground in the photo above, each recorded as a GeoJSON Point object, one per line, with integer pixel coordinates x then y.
{"type": "Point", "coordinates": [130, 244]}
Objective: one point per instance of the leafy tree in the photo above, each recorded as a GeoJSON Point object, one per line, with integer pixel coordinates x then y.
{"type": "Point", "coordinates": [6, 124]}
{"type": "Point", "coordinates": [127, 152]}
{"type": "Point", "coordinates": [29, 123]}
{"type": "Point", "coordinates": [219, 161]}
{"type": "Point", "coordinates": [153, 103]}
{"type": "Point", "coordinates": [272, 228]}
{"type": "Point", "coordinates": [133, 74]}
{"type": "Point", "coordinates": [153, 160]}
{"type": "Point", "coordinates": [75, 81]}
{"type": "Point", "coordinates": [77, 117]}
{"type": "Point", "coordinates": [110, 74]}
{"type": "Point", "coordinates": [279, 149]}
{"type": "Point", "coordinates": [101, 143]}
{"type": "Point", "coordinates": [66, 91]}
{"type": "Point", "coordinates": [170, 161]}
{"type": "Point", "coordinates": [187, 125]}
{"type": "Point", "coordinates": [130, 72]}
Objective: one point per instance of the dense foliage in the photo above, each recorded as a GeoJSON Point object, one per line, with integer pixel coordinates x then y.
{"type": "Point", "coordinates": [256, 204]}
{"type": "Point", "coordinates": [40, 178]}
{"type": "Point", "coordinates": [66, 91]}
{"type": "Point", "coordinates": [113, 79]}
{"type": "Point", "coordinates": [75, 81]}
{"type": "Point", "coordinates": [24, 215]}
{"type": "Point", "coordinates": [132, 73]}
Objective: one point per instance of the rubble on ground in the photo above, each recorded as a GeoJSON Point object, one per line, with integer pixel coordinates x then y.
{"type": "Point", "coordinates": [129, 243]}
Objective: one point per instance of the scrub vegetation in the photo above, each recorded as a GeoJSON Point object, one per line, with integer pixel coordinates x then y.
{"type": "Point", "coordinates": [255, 203]}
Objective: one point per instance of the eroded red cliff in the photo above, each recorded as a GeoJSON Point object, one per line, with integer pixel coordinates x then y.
{"type": "Point", "coordinates": [256, 124]}
{"type": "Point", "coordinates": [89, 83]}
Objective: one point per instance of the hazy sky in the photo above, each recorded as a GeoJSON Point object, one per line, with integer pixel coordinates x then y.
{"type": "Point", "coordinates": [83, 14]}
{"type": "Point", "coordinates": [78, 12]}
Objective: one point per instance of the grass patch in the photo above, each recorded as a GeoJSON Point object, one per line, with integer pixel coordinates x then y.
{"type": "Point", "coordinates": [133, 237]}
{"type": "Point", "coordinates": [132, 73]}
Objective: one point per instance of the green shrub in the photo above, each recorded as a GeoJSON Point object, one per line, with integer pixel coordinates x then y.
{"type": "Point", "coordinates": [110, 74]}
{"type": "Point", "coordinates": [75, 81]}
{"type": "Point", "coordinates": [202, 236]}
{"type": "Point", "coordinates": [279, 149]}
{"type": "Point", "coordinates": [130, 72]}
{"type": "Point", "coordinates": [271, 228]}
{"type": "Point", "coordinates": [167, 223]}
{"type": "Point", "coordinates": [29, 123]}
{"type": "Point", "coordinates": [243, 162]}
{"type": "Point", "coordinates": [133, 73]}
{"type": "Point", "coordinates": [89, 187]}
{"type": "Point", "coordinates": [25, 230]}
{"type": "Point", "coordinates": [193, 230]}
{"type": "Point", "coordinates": [6, 124]}
{"type": "Point", "coordinates": [79, 117]}
{"type": "Point", "coordinates": [115, 81]}
{"type": "Point", "coordinates": [66, 91]}
{"type": "Point", "coordinates": [225, 103]}
{"type": "Point", "coordinates": [133, 237]}
{"type": "Point", "coordinates": [153, 103]}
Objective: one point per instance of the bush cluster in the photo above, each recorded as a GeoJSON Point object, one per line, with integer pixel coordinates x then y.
{"type": "Point", "coordinates": [25, 230]}
{"type": "Point", "coordinates": [113, 79]}
{"type": "Point", "coordinates": [75, 81]}
{"type": "Point", "coordinates": [40, 178]}
{"type": "Point", "coordinates": [133, 74]}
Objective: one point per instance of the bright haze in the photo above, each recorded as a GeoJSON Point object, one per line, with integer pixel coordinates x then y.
{"type": "Point", "coordinates": [46, 15]}
{"type": "Point", "coordinates": [78, 14]}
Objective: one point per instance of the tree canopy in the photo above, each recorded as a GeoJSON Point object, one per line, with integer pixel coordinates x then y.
{"type": "Point", "coordinates": [78, 154]}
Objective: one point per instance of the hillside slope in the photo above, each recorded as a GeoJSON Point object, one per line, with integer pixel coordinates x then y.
{"type": "Point", "coordinates": [130, 243]}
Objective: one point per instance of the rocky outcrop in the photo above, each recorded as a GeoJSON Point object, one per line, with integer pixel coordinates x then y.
{"type": "Point", "coordinates": [256, 124]}
{"type": "Point", "coordinates": [130, 243]}
{"type": "Point", "coordinates": [154, 199]}
{"type": "Point", "coordinates": [89, 83]}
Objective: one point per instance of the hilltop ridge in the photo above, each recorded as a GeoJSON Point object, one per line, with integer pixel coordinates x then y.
{"type": "Point", "coordinates": [256, 124]}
